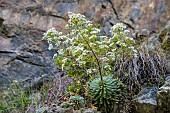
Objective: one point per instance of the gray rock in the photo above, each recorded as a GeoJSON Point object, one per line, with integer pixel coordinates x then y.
{"type": "Point", "coordinates": [161, 7]}
{"type": "Point", "coordinates": [154, 100]}
{"type": "Point", "coordinates": [36, 83]}
{"type": "Point", "coordinates": [64, 110]}
{"type": "Point", "coordinates": [167, 79]}
{"type": "Point", "coordinates": [22, 59]}
{"type": "Point", "coordinates": [1, 21]}
{"type": "Point", "coordinates": [145, 101]}
{"type": "Point", "coordinates": [163, 97]}
{"type": "Point", "coordinates": [146, 14]}
{"type": "Point", "coordinates": [136, 14]}
{"type": "Point", "coordinates": [4, 81]}
{"type": "Point", "coordinates": [89, 111]}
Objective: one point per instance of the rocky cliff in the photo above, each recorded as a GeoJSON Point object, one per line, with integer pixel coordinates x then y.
{"type": "Point", "coordinates": [24, 56]}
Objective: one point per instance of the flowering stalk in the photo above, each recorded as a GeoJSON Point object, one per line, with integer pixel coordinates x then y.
{"type": "Point", "coordinates": [83, 52]}
{"type": "Point", "coordinates": [99, 67]}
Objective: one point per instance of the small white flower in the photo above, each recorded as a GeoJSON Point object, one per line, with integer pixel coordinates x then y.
{"type": "Point", "coordinates": [103, 37]}
{"type": "Point", "coordinates": [135, 51]}
{"type": "Point", "coordinates": [113, 50]}
{"type": "Point", "coordinates": [119, 27]}
{"type": "Point", "coordinates": [50, 47]}
{"type": "Point", "coordinates": [92, 37]}
{"type": "Point", "coordinates": [57, 43]}
{"type": "Point", "coordinates": [79, 58]}
{"type": "Point", "coordinates": [82, 63]}
{"type": "Point", "coordinates": [85, 52]}
{"type": "Point", "coordinates": [107, 67]}
{"type": "Point", "coordinates": [62, 67]}
{"type": "Point", "coordinates": [131, 47]}
{"type": "Point", "coordinates": [55, 55]}
{"type": "Point", "coordinates": [103, 46]}
{"type": "Point", "coordinates": [62, 37]}
{"type": "Point", "coordinates": [110, 45]}
{"type": "Point", "coordinates": [123, 44]}
{"type": "Point", "coordinates": [67, 26]}
{"type": "Point", "coordinates": [60, 51]}
{"type": "Point", "coordinates": [15, 81]}
{"type": "Point", "coordinates": [131, 39]}
{"type": "Point", "coordinates": [89, 71]}
{"type": "Point", "coordinates": [95, 31]}
{"type": "Point", "coordinates": [92, 44]}
{"type": "Point", "coordinates": [49, 40]}
{"type": "Point", "coordinates": [135, 54]}
{"type": "Point", "coordinates": [104, 59]}
{"type": "Point", "coordinates": [98, 42]}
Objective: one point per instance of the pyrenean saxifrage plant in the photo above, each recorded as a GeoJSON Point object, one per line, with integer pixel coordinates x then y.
{"type": "Point", "coordinates": [85, 54]}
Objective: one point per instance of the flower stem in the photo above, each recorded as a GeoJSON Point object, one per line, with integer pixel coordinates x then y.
{"type": "Point", "coordinates": [98, 63]}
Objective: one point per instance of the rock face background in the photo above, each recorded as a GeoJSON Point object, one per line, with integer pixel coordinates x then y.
{"type": "Point", "coordinates": [24, 56]}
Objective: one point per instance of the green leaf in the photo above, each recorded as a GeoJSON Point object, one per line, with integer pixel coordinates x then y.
{"type": "Point", "coordinates": [106, 94]}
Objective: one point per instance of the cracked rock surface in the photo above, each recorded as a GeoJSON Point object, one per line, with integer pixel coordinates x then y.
{"type": "Point", "coordinates": [22, 23]}
{"type": "Point", "coordinates": [24, 55]}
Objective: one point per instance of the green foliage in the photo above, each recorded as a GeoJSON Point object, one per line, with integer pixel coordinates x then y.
{"type": "Point", "coordinates": [77, 102]}
{"type": "Point", "coordinates": [17, 99]}
{"type": "Point", "coordinates": [106, 93]}
{"type": "Point", "coordinates": [4, 108]}
{"type": "Point", "coordinates": [14, 99]}
{"type": "Point", "coordinates": [65, 105]}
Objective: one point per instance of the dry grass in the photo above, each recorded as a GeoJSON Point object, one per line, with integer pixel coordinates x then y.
{"type": "Point", "coordinates": [147, 69]}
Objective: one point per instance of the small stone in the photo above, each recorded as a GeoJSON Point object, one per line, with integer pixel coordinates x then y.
{"type": "Point", "coordinates": [136, 14]}
{"type": "Point", "coordinates": [145, 32]}
{"type": "Point", "coordinates": [163, 97]}
{"type": "Point", "coordinates": [145, 101]}
{"type": "Point", "coordinates": [64, 110]}
{"type": "Point", "coordinates": [89, 110]}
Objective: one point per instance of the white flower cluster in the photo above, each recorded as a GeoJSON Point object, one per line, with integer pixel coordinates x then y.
{"type": "Point", "coordinates": [125, 43]}
{"type": "Point", "coordinates": [51, 36]}
{"type": "Point", "coordinates": [51, 33]}
{"type": "Point", "coordinates": [77, 20]}
{"type": "Point", "coordinates": [91, 70]}
{"type": "Point", "coordinates": [119, 27]}
{"type": "Point", "coordinates": [79, 46]}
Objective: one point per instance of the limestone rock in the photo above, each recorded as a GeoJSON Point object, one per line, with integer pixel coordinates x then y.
{"type": "Point", "coordinates": [145, 101]}
{"type": "Point", "coordinates": [163, 97]}
{"type": "Point", "coordinates": [89, 111]}
{"type": "Point", "coordinates": [23, 54]}
{"type": "Point", "coordinates": [64, 110]}
{"type": "Point", "coordinates": [44, 14]}
{"type": "Point", "coordinates": [4, 80]}
{"type": "Point", "coordinates": [154, 100]}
